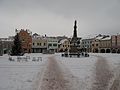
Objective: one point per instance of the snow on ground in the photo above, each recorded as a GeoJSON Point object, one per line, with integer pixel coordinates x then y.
{"type": "Point", "coordinates": [81, 68]}
{"type": "Point", "coordinates": [84, 68]}
{"type": "Point", "coordinates": [113, 59]}
{"type": "Point", "coordinates": [21, 75]}
{"type": "Point", "coordinates": [114, 63]}
{"type": "Point", "coordinates": [24, 75]}
{"type": "Point", "coordinates": [57, 77]}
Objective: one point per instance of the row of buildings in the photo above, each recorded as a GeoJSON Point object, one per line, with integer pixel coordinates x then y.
{"type": "Point", "coordinates": [106, 44]}
{"type": "Point", "coordinates": [31, 43]}
{"type": "Point", "coordinates": [34, 43]}
{"type": "Point", "coordinates": [5, 45]}
{"type": "Point", "coordinates": [102, 44]}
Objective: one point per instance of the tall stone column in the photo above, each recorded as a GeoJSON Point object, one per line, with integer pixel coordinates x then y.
{"type": "Point", "coordinates": [75, 30]}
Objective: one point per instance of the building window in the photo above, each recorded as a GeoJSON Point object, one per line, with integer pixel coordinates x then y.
{"type": "Point", "coordinates": [44, 44]}
{"type": "Point", "coordinates": [37, 43]}
{"type": "Point", "coordinates": [33, 44]}
{"type": "Point", "coordinates": [115, 40]}
{"type": "Point", "coordinates": [55, 45]}
{"type": "Point", "coordinates": [50, 44]}
{"type": "Point", "coordinates": [25, 49]}
{"type": "Point", "coordinates": [96, 44]}
{"type": "Point", "coordinates": [93, 45]}
{"type": "Point", "coordinates": [40, 44]}
{"type": "Point", "coordinates": [88, 46]}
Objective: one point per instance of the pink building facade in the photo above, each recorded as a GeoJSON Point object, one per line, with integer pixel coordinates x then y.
{"type": "Point", "coordinates": [115, 43]}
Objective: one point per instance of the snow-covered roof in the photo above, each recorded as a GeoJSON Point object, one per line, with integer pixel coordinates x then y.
{"type": "Point", "coordinates": [106, 38]}
{"type": "Point", "coordinates": [36, 36]}
{"type": "Point", "coordinates": [6, 39]}
{"type": "Point", "coordinates": [99, 37]}
{"type": "Point", "coordinates": [39, 38]}
{"type": "Point", "coordinates": [88, 37]}
{"type": "Point", "coordinates": [63, 40]}
{"type": "Point", "coordinates": [103, 37]}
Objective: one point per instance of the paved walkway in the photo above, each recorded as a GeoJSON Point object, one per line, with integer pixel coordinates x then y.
{"type": "Point", "coordinates": [55, 78]}
{"type": "Point", "coordinates": [103, 74]}
{"type": "Point", "coordinates": [116, 82]}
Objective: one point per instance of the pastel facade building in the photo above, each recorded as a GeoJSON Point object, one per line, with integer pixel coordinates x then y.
{"type": "Point", "coordinates": [63, 45]}
{"type": "Point", "coordinates": [39, 44]}
{"type": "Point", "coordinates": [115, 43]}
{"type": "Point", "coordinates": [96, 44]}
{"type": "Point", "coordinates": [101, 44]}
{"type": "Point", "coordinates": [52, 44]}
{"type": "Point", "coordinates": [105, 45]}
{"type": "Point", "coordinates": [6, 45]}
{"type": "Point", "coordinates": [26, 40]}
{"type": "Point", "coordinates": [87, 44]}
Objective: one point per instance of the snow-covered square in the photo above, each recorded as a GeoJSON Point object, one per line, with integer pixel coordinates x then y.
{"type": "Point", "coordinates": [53, 72]}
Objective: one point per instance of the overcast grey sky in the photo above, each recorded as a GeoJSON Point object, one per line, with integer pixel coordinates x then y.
{"type": "Point", "coordinates": [56, 17]}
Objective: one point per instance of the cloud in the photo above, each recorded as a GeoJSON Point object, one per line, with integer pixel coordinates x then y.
{"type": "Point", "coordinates": [56, 17]}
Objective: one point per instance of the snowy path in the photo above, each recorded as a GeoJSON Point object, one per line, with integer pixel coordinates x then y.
{"type": "Point", "coordinates": [116, 84]}
{"type": "Point", "coordinates": [97, 72]}
{"type": "Point", "coordinates": [54, 77]}
{"type": "Point", "coordinates": [103, 74]}
{"type": "Point", "coordinates": [116, 81]}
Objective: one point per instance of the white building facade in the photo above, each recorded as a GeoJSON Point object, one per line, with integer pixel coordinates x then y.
{"type": "Point", "coordinates": [52, 44]}
{"type": "Point", "coordinates": [87, 44]}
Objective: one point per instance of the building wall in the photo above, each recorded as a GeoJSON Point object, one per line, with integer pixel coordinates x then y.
{"type": "Point", "coordinates": [105, 46]}
{"type": "Point", "coordinates": [26, 40]}
{"type": "Point", "coordinates": [115, 41]}
{"type": "Point", "coordinates": [115, 46]}
{"type": "Point", "coordinates": [52, 44]}
{"type": "Point", "coordinates": [87, 43]}
{"type": "Point", "coordinates": [5, 45]}
{"type": "Point", "coordinates": [39, 44]}
{"type": "Point", "coordinates": [44, 44]}
{"type": "Point", "coordinates": [95, 46]}
{"type": "Point", "coordinates": [1, 48]}
{"type": "Point", "coordinates": [118, 40]}
{"type": "Point", "coordinates": [63, 45]}
{"type": "Point", "coordinates": [101, 44]}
